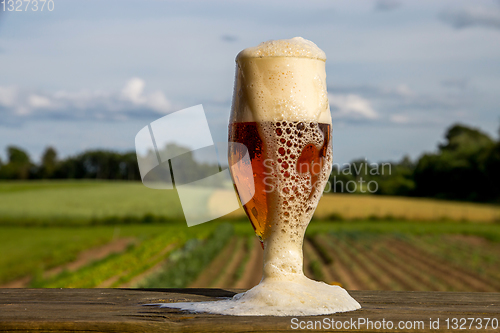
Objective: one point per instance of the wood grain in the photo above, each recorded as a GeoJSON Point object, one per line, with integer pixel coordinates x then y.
{"type": "Point", "coordinates": [123, 310]}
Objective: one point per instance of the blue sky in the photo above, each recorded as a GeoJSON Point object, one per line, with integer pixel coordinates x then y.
{"type": "Point", "coordinates": [91, 74]}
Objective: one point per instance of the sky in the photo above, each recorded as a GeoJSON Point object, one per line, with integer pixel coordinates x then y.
{"type": "Point", "coordinates": [91, 74]}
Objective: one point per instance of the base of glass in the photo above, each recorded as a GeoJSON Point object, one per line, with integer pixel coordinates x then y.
{"type": "Point", "coordinates": [299, 296]}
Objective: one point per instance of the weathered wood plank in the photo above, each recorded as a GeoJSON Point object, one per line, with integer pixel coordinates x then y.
{"type": "Point", "coordinates": [122, 310]}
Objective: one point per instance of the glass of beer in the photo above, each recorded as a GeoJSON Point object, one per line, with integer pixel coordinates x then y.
{"type": "Point", "coordinates": [280, 115]}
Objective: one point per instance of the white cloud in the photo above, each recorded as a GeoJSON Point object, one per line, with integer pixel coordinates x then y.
{"type": "Point", "coordinates": [400, 104]}
{"type": "Point", "coordinates": [134, 92]}
{"type": "Point", "coordinates": [399, 119]}
{"type": "Point", "coordinates": [404, 91]}
{"type": "Point", "coordinates": [37, 101]}
{"type": "Point", "coordinates": [351, 106]}
{"type": "Point", "coordinates": [131, 101]}
{"type": "Point", "coordinates": [465, 17]}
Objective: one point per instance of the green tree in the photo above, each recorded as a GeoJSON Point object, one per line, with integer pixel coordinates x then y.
{"type": "Point", "coordinates": [18, 165]}
{"type": "Point", "coordinates": [492, 169]}
{"type": "Point", "coordinates": [49, 161]}
{"type": "Point", "coordinates": [400, 179]}
{"type": "Point", "coordinates": [457, 170]}
{"type": "Point", "coordinates": [17, 156]}
{"type": "Point", "coordinates": [460, 138]}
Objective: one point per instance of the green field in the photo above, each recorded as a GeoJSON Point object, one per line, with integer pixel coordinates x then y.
{"type": "Point", "coordinates": [121, 234]}
{"type": "Point", "coordinates": [82, 202]}
{"type": "Point", "coordinates": [63, 202]}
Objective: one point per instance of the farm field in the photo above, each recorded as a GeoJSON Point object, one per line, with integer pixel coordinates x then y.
{"type": "Point", "coordinates": [369, 260]}
{"type": "Point", "coordinates": [367, 252]}
{"type": "Point", "coordinates": [357, 255]}
{"type": "Point", "coordinates": [62, 202]}
{"type": "Point", "coordinates": [35, 254]}
{"type": "Point", "coordinates": [353, 207]}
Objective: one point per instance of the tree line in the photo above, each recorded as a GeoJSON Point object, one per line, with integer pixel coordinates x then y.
{"type": "Point", "coordinates": [465, 167]}
{"type": "Point", "coordinates": [94, 164]}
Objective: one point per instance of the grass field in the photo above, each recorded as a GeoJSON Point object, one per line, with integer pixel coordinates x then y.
{"type": "Point", "coordinates": [61, 202]}
{"type": "Point", "coordinates": [54, 234]}
{"type": "Point", "coordinates": [82, 201]}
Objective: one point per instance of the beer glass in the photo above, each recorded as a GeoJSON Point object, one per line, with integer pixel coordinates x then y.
{"type": "Point", "coordinates": [279, 114]}
{"type": "Point", "coordinates": [281, 117]}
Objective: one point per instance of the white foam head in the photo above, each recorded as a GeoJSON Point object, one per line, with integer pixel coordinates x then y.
{"type": "Point", "coordinates": [281, 80]}
{"type": "Point", "coordinates": [297, 47]}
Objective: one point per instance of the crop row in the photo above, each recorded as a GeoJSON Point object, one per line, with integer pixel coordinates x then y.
{"type": "Point", "coordinates": [118, 269]}
{"type": "Point", "coordinates": [222, 258]}
{"type": "Point", "coordinates": [380, 262]}
{"type": "Point", "coordinates": [363, 261]}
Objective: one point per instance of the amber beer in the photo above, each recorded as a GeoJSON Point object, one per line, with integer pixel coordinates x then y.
{"type": "Point", "coordinates": [291, 162]}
